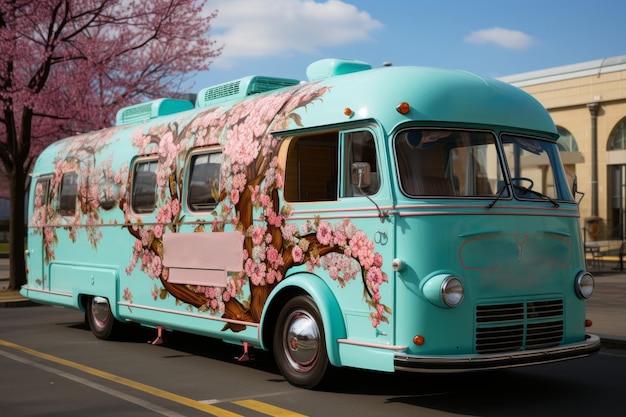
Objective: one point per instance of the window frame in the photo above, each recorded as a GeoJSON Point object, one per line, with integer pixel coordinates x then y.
{"type": "Point", "coordinates": [346, 189]}
{"type": "Point", "coordinates": [193, 155]}
{"type": "Point", "coordinates": [150, 161]}
{"type": "Point", "coordinates": [64, 207]}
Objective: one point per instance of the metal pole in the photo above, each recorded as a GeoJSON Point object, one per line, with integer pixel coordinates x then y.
{"type": "Point", "coordinates": [593, 110]}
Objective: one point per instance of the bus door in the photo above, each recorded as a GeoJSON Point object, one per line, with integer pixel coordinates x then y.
{"type": "Point", "coordinates": [366, 198]}
{"type": "Point", "coordinates": [336, 190]}
{"type": "Point", "coordinates": [38, 259]}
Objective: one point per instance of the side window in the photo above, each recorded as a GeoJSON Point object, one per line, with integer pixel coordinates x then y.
{"type": "Point", "coordinates": [360, 171]}
{"type": "Point", "coordinates": [42, 190]}
{"type": "Point", "coordinates": [67, 194]}
{"type": "Point", "coordinates": [311, 169]}
{"type": "Point", "coordinates": [143, 198]}
{"type": "Point", "coordinates": [203, 186]}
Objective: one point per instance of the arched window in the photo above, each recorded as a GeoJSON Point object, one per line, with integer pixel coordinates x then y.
{"type": "Point", "coordinates": [566, 141]}
{"type": "Point", "coordinates": [617, 138]}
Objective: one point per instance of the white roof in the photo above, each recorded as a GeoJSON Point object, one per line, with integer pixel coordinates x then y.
{"type": "Point", "coordinates": [566, 72]}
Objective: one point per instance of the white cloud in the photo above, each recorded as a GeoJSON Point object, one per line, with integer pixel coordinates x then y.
{"type": "Point", "coordinates": [511, 39]}
{"type": "Point", "coordinates": [261, 28]}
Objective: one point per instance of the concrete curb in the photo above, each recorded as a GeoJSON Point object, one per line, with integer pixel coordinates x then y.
{"type": "Point", "coordinates": [612, 342]}
{"type": "Point", "coordinates": [17, 302]}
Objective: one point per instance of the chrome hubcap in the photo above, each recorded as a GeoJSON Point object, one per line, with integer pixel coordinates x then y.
{"type": "Point", "coordinates": [100, 311]}
{"type": "Point", "coordinates": [301, 340]}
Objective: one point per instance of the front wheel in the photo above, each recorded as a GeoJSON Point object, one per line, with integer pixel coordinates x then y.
{"type": "Point", "coordinates": [100, 318]}
{"type": "Point", "coordinates": [299, 343]}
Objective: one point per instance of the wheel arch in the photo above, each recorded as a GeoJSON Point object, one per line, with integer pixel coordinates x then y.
{"type": "Point", "coordinates": [324, 299]}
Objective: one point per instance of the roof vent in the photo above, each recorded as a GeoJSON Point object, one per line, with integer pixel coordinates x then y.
{"type": "Point", "coordinates": [143, 112]}
{"type": "Point", "coordinates": [241, 88]}
{"type": "Point", "coordinates": [331, 67]}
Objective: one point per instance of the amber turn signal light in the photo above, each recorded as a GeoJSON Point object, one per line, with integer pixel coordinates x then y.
{"type": "Point", "coordinates": [403, 108]}
{"type": "Point", "coordinates": [418, 340]}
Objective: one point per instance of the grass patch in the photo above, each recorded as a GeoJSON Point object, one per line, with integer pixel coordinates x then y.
{"type": "Point", "coordinates": [4, 247]}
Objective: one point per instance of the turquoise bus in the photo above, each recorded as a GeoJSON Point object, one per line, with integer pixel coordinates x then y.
{"type": "Point", "coordinates": [390, 219]}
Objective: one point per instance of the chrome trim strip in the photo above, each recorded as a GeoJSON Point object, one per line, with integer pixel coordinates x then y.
{"type": "Point", "coordinates": [64, 294]}
{"type": "Point", "coordinates": [464, 363]}
{"type": "Point", "coordinates": [182, 313]}
{"type": "Point", "coordinates": [372, 345]}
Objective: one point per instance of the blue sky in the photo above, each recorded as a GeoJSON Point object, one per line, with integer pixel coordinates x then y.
{"type": "Point", "coordinates": [491, 38]}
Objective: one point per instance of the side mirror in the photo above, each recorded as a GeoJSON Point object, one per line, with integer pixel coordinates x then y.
{"type": "Point", "coordinates": [361, 174]}
{"type": "Point", "coordinates": [575, 191]}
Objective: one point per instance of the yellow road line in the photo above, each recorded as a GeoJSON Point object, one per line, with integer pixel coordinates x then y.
{"type": "Point", "coordinates": [207, 408]}
{"type": "Point", "coordinates": [268, 409]}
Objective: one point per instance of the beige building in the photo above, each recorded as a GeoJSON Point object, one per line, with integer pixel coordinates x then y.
{"type": "Point", "coordinates": [587, 102]}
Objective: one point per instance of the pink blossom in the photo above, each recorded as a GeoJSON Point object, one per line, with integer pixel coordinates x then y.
{"type": "Point", "coordinates": [280, 179]}
{"type": "Point", "coordinates": [314, 261]}
{"type": "Point", "coordinates": [297, 254]}
{"type": "Point", "coordinates": [265, 201]}
{"type": "Point", "coordinates": [156, 266]}
{"type": "Point", "coordinates": [258, 233]}
{"type": "Point", "coordinates": [127, 295]}
{"type": "Point", "coordinates": [274, 258]}
{"type": "Point", "coordinates": [274, 219]}
{"type": "Point", "coordinates": [240, 145]}
{"type": "Point", "coordinates": [234, 196]}
{"type": "Point", "coordinates": [270, 277]}
{"type": "Point", "coordinates": [324, 233]}
{"type": "Point", "coordinates": [175, 207]}
{"type": "Point", "coordinates": [306, 227]}
{"type": "Point", "coordinates": [340, 238]}
{"type": "Point", "coordinates": [362, 248]}
{"type": "Point", "coordinates": [289, 230]}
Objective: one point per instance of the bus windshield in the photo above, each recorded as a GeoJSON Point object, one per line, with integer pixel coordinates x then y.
{"type": "Point", "coordinates": [457, 163]}
{"type": "Point", "coordinates": [536, 170]}
{"type": "Point", "coordinates": [447, 163]}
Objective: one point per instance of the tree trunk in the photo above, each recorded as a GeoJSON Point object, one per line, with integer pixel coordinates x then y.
{"type": "Point", "coordinates": [17, 235]}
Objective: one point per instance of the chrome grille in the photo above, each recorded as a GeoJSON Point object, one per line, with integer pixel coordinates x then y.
{"type": "Point", "coordinates": [519, 326]}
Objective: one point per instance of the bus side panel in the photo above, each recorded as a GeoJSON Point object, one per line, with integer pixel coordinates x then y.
{"type": "Point", "coordinates": [366, 357]}
{"type": "Point", "coordinates": [187, 320]}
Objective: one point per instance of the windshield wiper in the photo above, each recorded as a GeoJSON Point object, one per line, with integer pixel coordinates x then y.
{"type": "Point", "coordinates": [504, 187]}
{"type": "Point", "coordinates": [537, 193]}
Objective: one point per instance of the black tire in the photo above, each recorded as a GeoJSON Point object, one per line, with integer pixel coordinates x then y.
{"type": "Point", "coordinates": [101, 321]}
{"type": "Point", "coordinates": [299, 344]}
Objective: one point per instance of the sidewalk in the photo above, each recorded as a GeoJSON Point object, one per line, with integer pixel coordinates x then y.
{"type": "Point", "coordinates": [9, 299]}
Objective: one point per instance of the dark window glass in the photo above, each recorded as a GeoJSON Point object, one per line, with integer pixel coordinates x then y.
{"type": "Point", "coordinates": [144, 187]}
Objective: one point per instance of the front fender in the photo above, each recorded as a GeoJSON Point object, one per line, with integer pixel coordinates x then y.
{"type": "Point", "coordinates": [318, 290]}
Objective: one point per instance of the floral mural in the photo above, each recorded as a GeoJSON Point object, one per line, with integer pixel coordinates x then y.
{"type": "Point", "coordinates": [248, 201]}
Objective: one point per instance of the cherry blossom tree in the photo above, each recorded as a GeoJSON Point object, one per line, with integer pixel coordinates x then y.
{"type": "Point", "coordinates": [66, 66]}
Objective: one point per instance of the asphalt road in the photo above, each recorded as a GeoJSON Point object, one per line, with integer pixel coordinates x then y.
{"type": "Point", "coordinates": [53, 366]}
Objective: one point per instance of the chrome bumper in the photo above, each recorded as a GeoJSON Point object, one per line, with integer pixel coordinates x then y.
{"type": "Point", "coordinates": [463, 363]}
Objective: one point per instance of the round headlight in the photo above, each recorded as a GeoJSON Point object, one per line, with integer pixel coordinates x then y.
{"type": "Point", "coordinates": [452, 291]}
{"type": "Point", "coordinates": [585, 284]}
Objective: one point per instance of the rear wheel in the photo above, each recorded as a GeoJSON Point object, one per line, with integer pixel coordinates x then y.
{"type": "Point", "coordinates": [299, 343]}
{"type": "Point", "coordinates": [100, 318]}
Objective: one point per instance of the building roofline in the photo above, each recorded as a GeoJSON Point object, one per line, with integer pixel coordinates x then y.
{"type": "Point", "coordinates": [566, 72]}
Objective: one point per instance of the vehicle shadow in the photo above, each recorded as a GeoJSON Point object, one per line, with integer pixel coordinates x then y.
{"type": "Point", "coordinates": [540, 390]}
